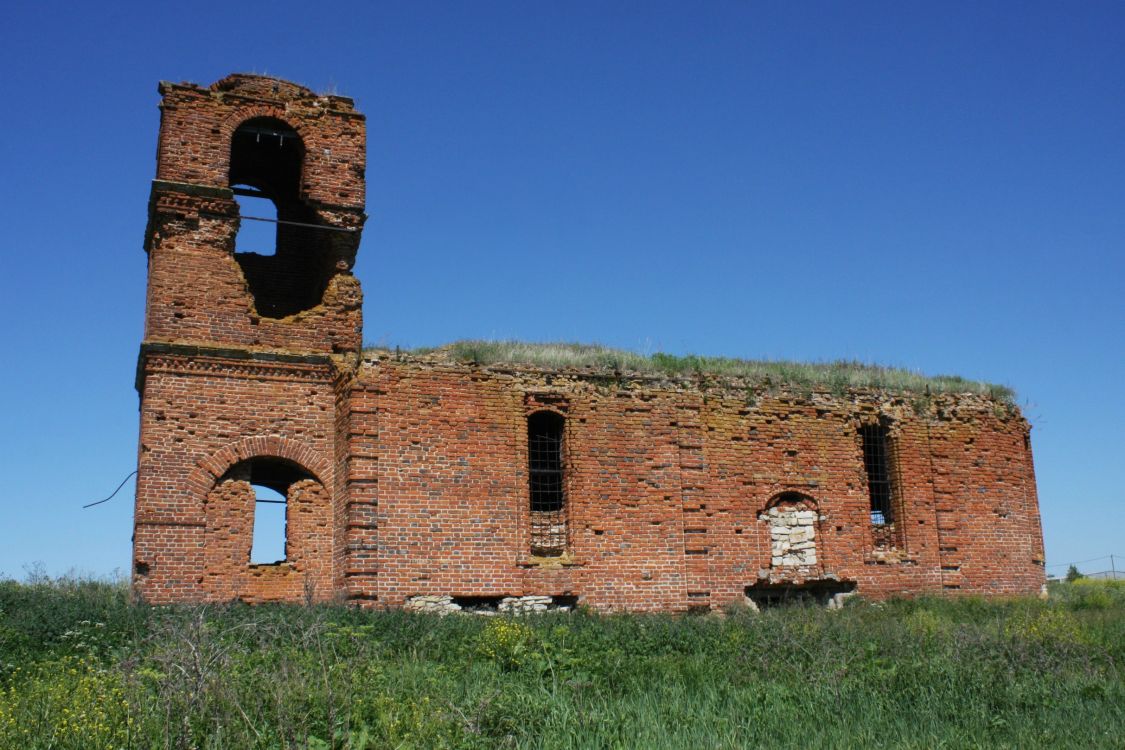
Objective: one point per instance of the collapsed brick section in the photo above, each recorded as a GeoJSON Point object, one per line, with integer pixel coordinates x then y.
{"type": "Point", "coordinates": [410, 481]}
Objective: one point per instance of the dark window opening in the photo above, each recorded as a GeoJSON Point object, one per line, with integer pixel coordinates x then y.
{"type": "Point", "coordinates": [565, 601]}
{"type": "Point", "coordinates": [548, 495]}
{"type": "Point", "coordinates": [267, 154]}
{"type": "Point", "coordinates": [287, 262]}
{"type": "Point", "coordinates": [478, 603]}
{"type": "Point", "coordinates": [270, 479]}
{"type": "Point", "coordinates": [514, 604]}
{"type": "Point", "coordinates": [793, 501]}
{"type": "Point", "coordinates": [813, 592]}
{"type": "Point", "coordinates": [876, 464]}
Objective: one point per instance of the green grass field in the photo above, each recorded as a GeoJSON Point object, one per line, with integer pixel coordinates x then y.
{"type": "Point", "coordinates": [80, 667]}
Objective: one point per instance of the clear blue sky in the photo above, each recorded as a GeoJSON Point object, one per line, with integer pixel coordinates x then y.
{"type": "Point", "coordinates": [938, 186]}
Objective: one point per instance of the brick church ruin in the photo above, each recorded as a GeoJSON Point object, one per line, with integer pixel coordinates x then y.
{"type": "Point", "coordinates": [429, 481]}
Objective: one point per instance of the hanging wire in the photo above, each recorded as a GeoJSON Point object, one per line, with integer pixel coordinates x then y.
{"type": "Point", "coordinates": [123, 481]}
{"type": "Point", "coordinates": [300, 224]}
{"type": "Point", "coordinates": [1079, 562]}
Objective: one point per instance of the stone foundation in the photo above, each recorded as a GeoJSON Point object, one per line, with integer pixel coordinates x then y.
{"type": "Point", "coordinates": [509, 605]}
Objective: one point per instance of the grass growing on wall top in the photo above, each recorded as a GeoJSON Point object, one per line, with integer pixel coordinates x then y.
{"type": "Point", "coordinates": [836, 376]}
{"type": "Point", "coordinates": [82, 668]}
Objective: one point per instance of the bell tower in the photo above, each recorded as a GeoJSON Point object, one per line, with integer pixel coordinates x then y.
{"type": "Point", "coordinates": [247, 347]}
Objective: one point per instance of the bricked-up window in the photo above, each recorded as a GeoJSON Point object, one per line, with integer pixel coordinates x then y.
{"type": "Point", "coordinates": [270, 479]}
{"type": "Point", "coordinates": [876, 464]}
{"type": "Point", "coordinates": [546, 476]}
{"type": "Point", "coordinates": [290, 273]}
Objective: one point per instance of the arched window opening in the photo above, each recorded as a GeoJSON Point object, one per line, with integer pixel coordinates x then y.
{"type": "Point", "coordinates": [547, 483]}
{"type": "Point", "coordinates": [271, 479]}
{"type": "Point", "coordinates": [287, 262]}
{"type": "Point", "coordinates": [877, 467]}
{"type": "Point", "coordinates": [267, 155]}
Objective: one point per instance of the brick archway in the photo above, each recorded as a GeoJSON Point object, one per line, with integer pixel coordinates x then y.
{"type": "Point", "coordinates": [243, 115]}
{"type": "Point", "coordinates": [790, 496]}
{"type": "Point", "coordinates": [210, 469]}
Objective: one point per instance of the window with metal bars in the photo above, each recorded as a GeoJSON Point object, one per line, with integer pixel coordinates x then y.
{"type": "Point", "coordinates": [546, 477]}
{"type": "Point", "coordinates": [876, 464]}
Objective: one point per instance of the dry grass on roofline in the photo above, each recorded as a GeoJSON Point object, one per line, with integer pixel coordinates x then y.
{"type": "Point", "coordinates": [836, 376]}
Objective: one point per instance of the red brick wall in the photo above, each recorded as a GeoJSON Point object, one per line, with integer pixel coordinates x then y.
{"type": "Point", "coordinates": [988, 511]}
{"type": "Point", "coordinates": [666, 486]}
{"type": "Point", "coordinates": [200, 416]}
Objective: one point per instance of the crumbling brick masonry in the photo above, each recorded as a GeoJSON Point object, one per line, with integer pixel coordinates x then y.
{"type": "Point", "coordinates": [440, 485]}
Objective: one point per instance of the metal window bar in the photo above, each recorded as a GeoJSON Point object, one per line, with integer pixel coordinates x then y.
{"type": "Point", "coordinates": [258, 131]}
{"type": "Point", "coordinates": [548, 498]}
{"type": "Point", "coordinates": [876, 464]}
